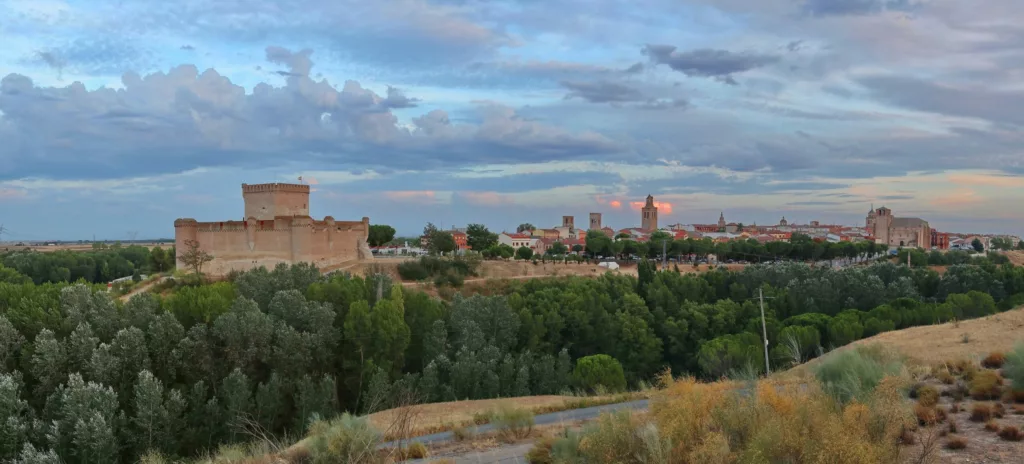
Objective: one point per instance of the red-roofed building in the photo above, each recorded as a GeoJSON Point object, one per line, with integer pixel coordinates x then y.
{"type": "Point", "coordinates": [517, 240]}
{"type": "Point", "coordinates": [460, 240]}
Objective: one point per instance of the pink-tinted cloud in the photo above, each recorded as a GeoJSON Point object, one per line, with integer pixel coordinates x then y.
{"type": "Point", "coordinates": [984, 180]}
{"type": "Point", "coordinates": [958, 198]}
{"type": "Point", "coordinates": [664, 207]}
{"type": "Point", "coordinates": [486, 198]}
{"type": "Point", "coordinates": [615, 204]}
{"type": "Point", "coordinates": [11, 193]}
{"type": "Point", "coordinates": [411, 196]}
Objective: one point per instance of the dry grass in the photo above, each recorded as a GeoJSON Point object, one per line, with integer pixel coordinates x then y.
{"type": "Point", "coordinates": [956, 443]}
{"type": "Point", "coordinates": [981, 412]}
{"type": "Point", "coordinates": [994, 360]}
{"type": "Point", "coordinates": [986, 385]}
{"type": "Point", "coordinates": [1011, 433]}
{"type": "Point", "coordinates": [935, 344]}
{"type": "Point", "coordinates": [440, 417]}
{"type": "Point", "coordinates": [779, 423]}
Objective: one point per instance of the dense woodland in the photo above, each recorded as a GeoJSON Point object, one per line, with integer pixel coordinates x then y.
{"type": "Point", "coordinates": [90, 379]}
{"type": "Point", "coordinates": [102, 264]}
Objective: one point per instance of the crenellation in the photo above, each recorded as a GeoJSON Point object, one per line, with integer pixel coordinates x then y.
{"type": "Point", "coordinates": [277, 229]}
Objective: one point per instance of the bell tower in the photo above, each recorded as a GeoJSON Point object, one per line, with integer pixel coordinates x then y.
{"type": "Point", "coordinates": [649, 215]}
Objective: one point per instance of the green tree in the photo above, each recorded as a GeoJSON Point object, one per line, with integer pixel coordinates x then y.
{"type": "Point", "coordinates": [557, 249]}
{"type": "Point", "coordinates": [49, 363]}
{"type": "Point", "coordinates": [194, 258]}
{"type": "Point", "coordinates": [479, 238]}
{"type": "Point", "coordinates": [598, 244]}
{"type": "Point", "coordinates": [524, 253]}
{"type": "Point", "coordinates": [380, 234]}
{"type": "Point", "coordinates": [15, 428]}
{"type": "Point", "coordinates": [441, 242]}
{"type": "Point", "coordinates": [977, 245]}
{"type": "Point", "coordinates": [525, 227]}
{"type": "Point", "coordinates": [599, 370]}
{"type": "Point", "coordinates": [11, 342]}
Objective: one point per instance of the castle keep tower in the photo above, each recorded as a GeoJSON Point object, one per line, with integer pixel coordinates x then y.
{"type": "Point", "coordinates": [276, 229]}
{"type": "Point", "coordinates": [266, 201]}
{"type": "Point", "coordinates": [567, 221]}
{"type": "Point", "coordinates": [595, 221]}
{"type": "Point", "coordinates": [649, 215]}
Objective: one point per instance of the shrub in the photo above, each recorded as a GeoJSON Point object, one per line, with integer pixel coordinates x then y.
{"type": "Point", "coordinates": [853, 374]}
{"type": "Point", "coordinates": [512, 423]}
{"type": "Point", "coordinates": [986, 385]}
{"type": "Point", "coordinates": [599, 370]}
{"type": "Point", "coordinates": [998, 411]}
{"type": "Point", "coordinates": [994, 360]}
{"type": "Point", "coordinates": [621, 436]}
{"type": "Point", "coordinates": [541, 452]}
{"type": "Point", "coordinates": [462, 433]}
{"type": "Point", "coordinates": [992, 426]}
{"type": "Point", "coordinates": [956, 443]}
{"type": "Point", "coordinates": [952, 426]}
{"type": "Point", "coordinates": [981, 412]}
{"type": "Point", "coordinates": [413, 270]}
{"type": "Point", "coordinates": [344, 439]}
{"type": "Point", "coordinates": [415, 450]}
{"type": "Point", "coordinates": [1014, 396]}
{"type": "Point", "coordinates": [929, 415]}
{"type": "Point", "coordinates": [481, 418]}
{"type": "Point", "coordinates": [1013, 369]}
{"type": "Point", "coordinates": [954, 408]}
{"type": "Point", "coordinates": [1011, 433]}
{"type": "Point", "coordinates": [927, 395]}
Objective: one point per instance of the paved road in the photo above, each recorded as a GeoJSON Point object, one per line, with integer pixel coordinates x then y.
{"type": "Point", "coordinates": [543, 419]}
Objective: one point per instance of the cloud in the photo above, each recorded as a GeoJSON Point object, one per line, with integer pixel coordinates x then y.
{"type": "Point", "coordinates": [485, 198]}
{"type": "Point", "coordinates": [602, 92]}
{"type": "Point", "coordinates": [664, 207]}
{"type": "Point", "coordinates": [854, 7]}
{"type": "Point", "coordinates": [705, 62]}
{"type": "Point", "coordinates": [173, 121]}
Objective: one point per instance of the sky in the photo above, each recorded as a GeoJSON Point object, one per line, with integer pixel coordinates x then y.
{"type": "Point", "coordinates": [119, 116]}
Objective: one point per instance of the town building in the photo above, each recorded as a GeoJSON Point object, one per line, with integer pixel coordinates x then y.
{"type": "Point", "coordinates": [595, 221]}
{"type": "Point", "coordinates": [896, 231]}
{"type": "Point", "coordinates": [276, 229]}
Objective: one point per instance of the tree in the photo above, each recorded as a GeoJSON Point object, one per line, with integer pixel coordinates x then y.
{"type": "Point", "coordinates": [1020, 245]}
{"type": "Point", "coordinates": [598, 243]}
{"type": "Point", "coordinates": [194, 258]}
{"type": "Point", "coordinates": [525, 227]}
{"type": "Point", "coordinates": [977, 245]}
{"type": "Point", "coordinates": [599, 369]}
{"type": "Point", "coordinates": [441, 242]}
{"type": "Point", "coordinates": [479, 238]}
{"type": "Point", "coordinates": [380, 234]}
{"type": "Point", "coordinates": [557, 248]}
{"type": "Point", "coordinates": [524, 253]}
{"type": "Point", "coordinates": [577, 248]}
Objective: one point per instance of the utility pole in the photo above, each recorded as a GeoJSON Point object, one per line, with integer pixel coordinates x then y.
{"type": "Point", "coordinates": [908, 258]}
{"type": "Point", "coordinates": [2, 230]}
{"type": "Point", "coordinates": [764, 330]}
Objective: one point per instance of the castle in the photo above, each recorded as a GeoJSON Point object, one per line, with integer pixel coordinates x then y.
{"type": "Point", "coordinates": [277, 229]}
{"type": "Point", "coordinates": [896, 231]}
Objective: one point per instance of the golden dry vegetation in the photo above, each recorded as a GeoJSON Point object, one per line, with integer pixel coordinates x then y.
{"type": "Point", "coordinates": [78, 247]}
{"type": "Point", "coordinates": [1016, 257]}
{"type": "Point", "coordinates": [936, 343]}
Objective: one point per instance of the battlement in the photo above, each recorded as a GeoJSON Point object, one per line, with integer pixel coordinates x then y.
{"type": "Point", "coordinates": [185, 222]}
{"type": "Point", "coordinates": [275, 187]}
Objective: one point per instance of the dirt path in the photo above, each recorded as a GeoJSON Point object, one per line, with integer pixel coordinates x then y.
{"type": "Point", "coordinates": [142, 288]}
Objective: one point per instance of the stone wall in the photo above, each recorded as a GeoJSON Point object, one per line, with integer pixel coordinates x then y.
{"type": "Point", "coordinates": [244, 245]}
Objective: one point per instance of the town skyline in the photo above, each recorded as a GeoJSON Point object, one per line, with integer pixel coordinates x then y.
{"type": "Point", "coordinates": [120, 116]}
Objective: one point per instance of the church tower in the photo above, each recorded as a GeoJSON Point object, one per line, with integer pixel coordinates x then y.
{"type": "Point", "coordinates": [649, 215]}
{"type": "Point", "coordinates": [721, 220]}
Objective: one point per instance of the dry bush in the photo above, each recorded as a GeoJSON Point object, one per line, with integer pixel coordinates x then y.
{"type": "Point", "coordinates": [541, 452]}
{"type": "Point", "coordinates": [622, 436]}
{"type": "Point", "coordinates": [1011, 433]}
{"type": "Point", "coordinates": [347, 439]}
{"type": "Point", "coordinates": [462, 433]}
{"type": "Point", "coordinates": [780, 423]}
{"type": "Point", "coordinates": [1018, 409]}
{"type": "Point", "coordinates": [952, 426]}
{"type": "Point", "coordinates": [954, 408]}
{"type": "Point", "coordinates": [929, 415]}
{"type": "Point", "coordinates": [927, 396]}
{"type": "Point", "coordinates": [1014, 396]}
{"type": "Point", "coordinates": [512, 423]}
{"type": "Point", "coordinates": [981, 412]}
{"type": "Point", "coordinates": [998, 411]}
{"type": "Point", "coordinates": [994, 360]}
{"type": "Point", "coordinates": [992, 426]}
{"type": "Point", "coordinates": [415, 450]}
{"type": "Point", "coordinates": [956, 443]}
{"type": "Point", "coordinates": [986, 385]}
